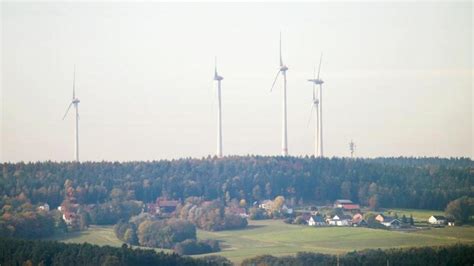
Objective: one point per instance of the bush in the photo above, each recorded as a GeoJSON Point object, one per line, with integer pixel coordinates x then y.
{"type": "Point", "coordinates": [192, 247]}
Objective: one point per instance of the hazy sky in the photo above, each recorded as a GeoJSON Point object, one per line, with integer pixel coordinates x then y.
{"type": "Point", "coordinates": [398, 78]}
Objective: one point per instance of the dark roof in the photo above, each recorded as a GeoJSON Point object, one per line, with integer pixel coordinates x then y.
{"type": "Point", "coordinates": [439, 217]}
{"type": "Point", "coordinates": [318, 218]}
{"type": "Point", "coordinates": [390, 220]}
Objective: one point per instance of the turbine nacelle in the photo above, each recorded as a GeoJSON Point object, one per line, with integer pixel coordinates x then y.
{"type": "Point", "coordinates": [218, 78]}
{"type": "Point", "coordinates": [76, 101]}
{"type": "Point", "coordinates": [283, 68]}
{"type": "Point", "coordinates": [316, 81]}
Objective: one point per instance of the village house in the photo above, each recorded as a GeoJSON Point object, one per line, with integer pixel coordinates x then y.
{"type": "Point", "coordinates": [69, 217]}
{"type": "Point", "coordinates": [44, 207]}
{"type": "Point", "coordinates": [388, 221]}
{"type": "Point", "coordinates": [437, 220]}
{"type": "Point", "coordinates": [316, 220]}
{"type": "Point", "coordinates": [167, 206]}
{"type": "Point", "coordinates": [358, 220]}
{"type": "Point", "coordinates": [346, 205]}
{"type": "Point", "coordinates": [340, 220]}
{"type": "Point", "coordinates": [286, 210]}
{"type": "Point", "coordinates": [266, 204]}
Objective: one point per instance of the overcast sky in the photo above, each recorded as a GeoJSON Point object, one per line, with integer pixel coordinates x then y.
{"type": "Point", "coordinates": [398, 78]}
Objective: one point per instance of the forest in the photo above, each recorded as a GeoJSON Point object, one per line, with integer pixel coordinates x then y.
{"type": "Point", "coordinates": [420, 183]}
{"type": "Point", "coordinates": [34, 252]}
{"type": "Point", "coordinates": [448, 255]}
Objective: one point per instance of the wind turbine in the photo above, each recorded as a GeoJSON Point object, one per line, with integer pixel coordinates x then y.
{"type": "Point", "coordinates": [315, 105]}
{"type": "Point", "coordinates": [318, 81]}
{"type": "Point", "coordinates": [282, 70]}
{"type": "Point", "coordinates": [75, 101]}
{"type": "Point", "coordinates": [219, 111]}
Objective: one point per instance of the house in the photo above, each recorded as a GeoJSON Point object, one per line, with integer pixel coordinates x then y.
{"type": "Point", "coordinates": [286, 210]}
{"type": "Point", "coordinates": [69, 217]}
{"type": "Point", "coordinates": [341, 202]}
{"type": "Point", "coordinates": [152, 208]}
{"type": "Point", "coordinates": [266, 204]}
{"type": "Point", "coordinates": [316, 220]}
{"type": "Point", "coordinates": [44, 207]}
{"type": "Point", "coordinates": [166, 206]}
{"type": "Point", "coordinates": [357, 218]}
{"type": "Point", "coordinates": [388, 221]}
{"type": "Point", "coordinates": [360, 223]}
{"type": "Point", "coordinates": [351, 207]}
{"type": "Point", "coordinates": [391, 222]}
{"type": "Point", "coordinates": [437, 220]}
{"type": "Point", "coordinates": [340, 220]}
{"type": "Point", "coordinates": [346, 205]}
{"type": "Point", "coordinates": [380, 218]}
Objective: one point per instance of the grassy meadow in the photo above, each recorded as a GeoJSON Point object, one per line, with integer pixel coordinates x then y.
{"type": "Point", "coordinates": [277, 238]}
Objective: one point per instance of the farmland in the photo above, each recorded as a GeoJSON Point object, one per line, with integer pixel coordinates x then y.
{"type": "Point", "coordinates": [276, 237]}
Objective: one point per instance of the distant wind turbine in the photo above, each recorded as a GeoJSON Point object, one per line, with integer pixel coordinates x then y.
{"type": "Point", "coordinates": [318, 81]}
{"type": "Point", "coordinates": [75, 101]}
{"type": "Point", "coordinates": [219, 111]}
{"type": "Point", "coordinates": [282, 70]}
{"type": "Point", "coordinates": [315, 106]}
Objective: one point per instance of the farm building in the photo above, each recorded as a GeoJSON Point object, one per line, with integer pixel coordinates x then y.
{"type": "Point", "coordinates": [346, 205]}
{"type": "Point", "coordinates": [340, 220]}
{"type": "Point", "coordinates": [437, 220]}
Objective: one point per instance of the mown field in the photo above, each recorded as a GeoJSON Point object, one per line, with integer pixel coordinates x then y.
{"type": "Point", "coordinates": [277, 238]}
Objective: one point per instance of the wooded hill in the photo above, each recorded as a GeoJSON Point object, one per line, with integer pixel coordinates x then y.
{"type": "Point", "coordinates": [425, 183]}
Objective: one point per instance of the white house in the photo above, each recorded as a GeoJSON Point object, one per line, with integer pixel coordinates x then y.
{"type": "Point", "coordinates": [44, 207]}
{"type": "Point", "coordinates": [437, 220]}
{"type": "Point", "coordinates": [316, 220]}
{"type": "Point", "coordinates": [342, 220]}
{"type": "Point", "coordinates": [286, 210]}
{"type": "Point", "coordinates": [266, 204]}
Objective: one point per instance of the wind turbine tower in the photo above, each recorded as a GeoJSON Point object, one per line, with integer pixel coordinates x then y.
{"type": "Point", "coordinates": [282, 70]}
{"type": "Point", "coordinates": [315, 105]}
{"type": "Point", "coordinates": [219, 111]}
{"type": "Point", "coordinates": [319, 111]}
{"type": "Point", "coordinates": [75, 101]}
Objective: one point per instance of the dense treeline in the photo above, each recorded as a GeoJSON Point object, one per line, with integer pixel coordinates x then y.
{"type": "Point", "coordinates": [428, 183]}
{"type": "Point", "coordinates": [28, 252]}
{"type": "Point", "coordinates": [447, 255]}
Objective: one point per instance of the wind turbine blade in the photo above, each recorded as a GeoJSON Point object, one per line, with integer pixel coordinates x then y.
{"type": "Point", "coordinates": [276, 77]}
{"type": "Point", "coordinates": [281, 59]}
{"type": "Point", "coordinates": [215, 66]}
{"type": "Point", "coordinates": [320, 60]}
{"type": "Point", "coordinates": [67, 110]}
{"type": "Point", "coordinates": [74, 84]}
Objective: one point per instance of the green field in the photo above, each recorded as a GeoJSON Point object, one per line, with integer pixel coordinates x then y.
{"type": "Point", "coordinates": [418, 215]}
{"type": "Point", "coordinates": [277, 238]}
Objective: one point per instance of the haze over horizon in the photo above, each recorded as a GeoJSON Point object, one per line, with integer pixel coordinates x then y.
{"type": "Point", "coordinates": [398, 78]}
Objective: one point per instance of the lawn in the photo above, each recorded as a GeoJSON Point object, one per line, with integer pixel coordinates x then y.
{"type": "Point", "coordinates": [418, 215]}
{"type": "Point", "coordinates": [277, 238]}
